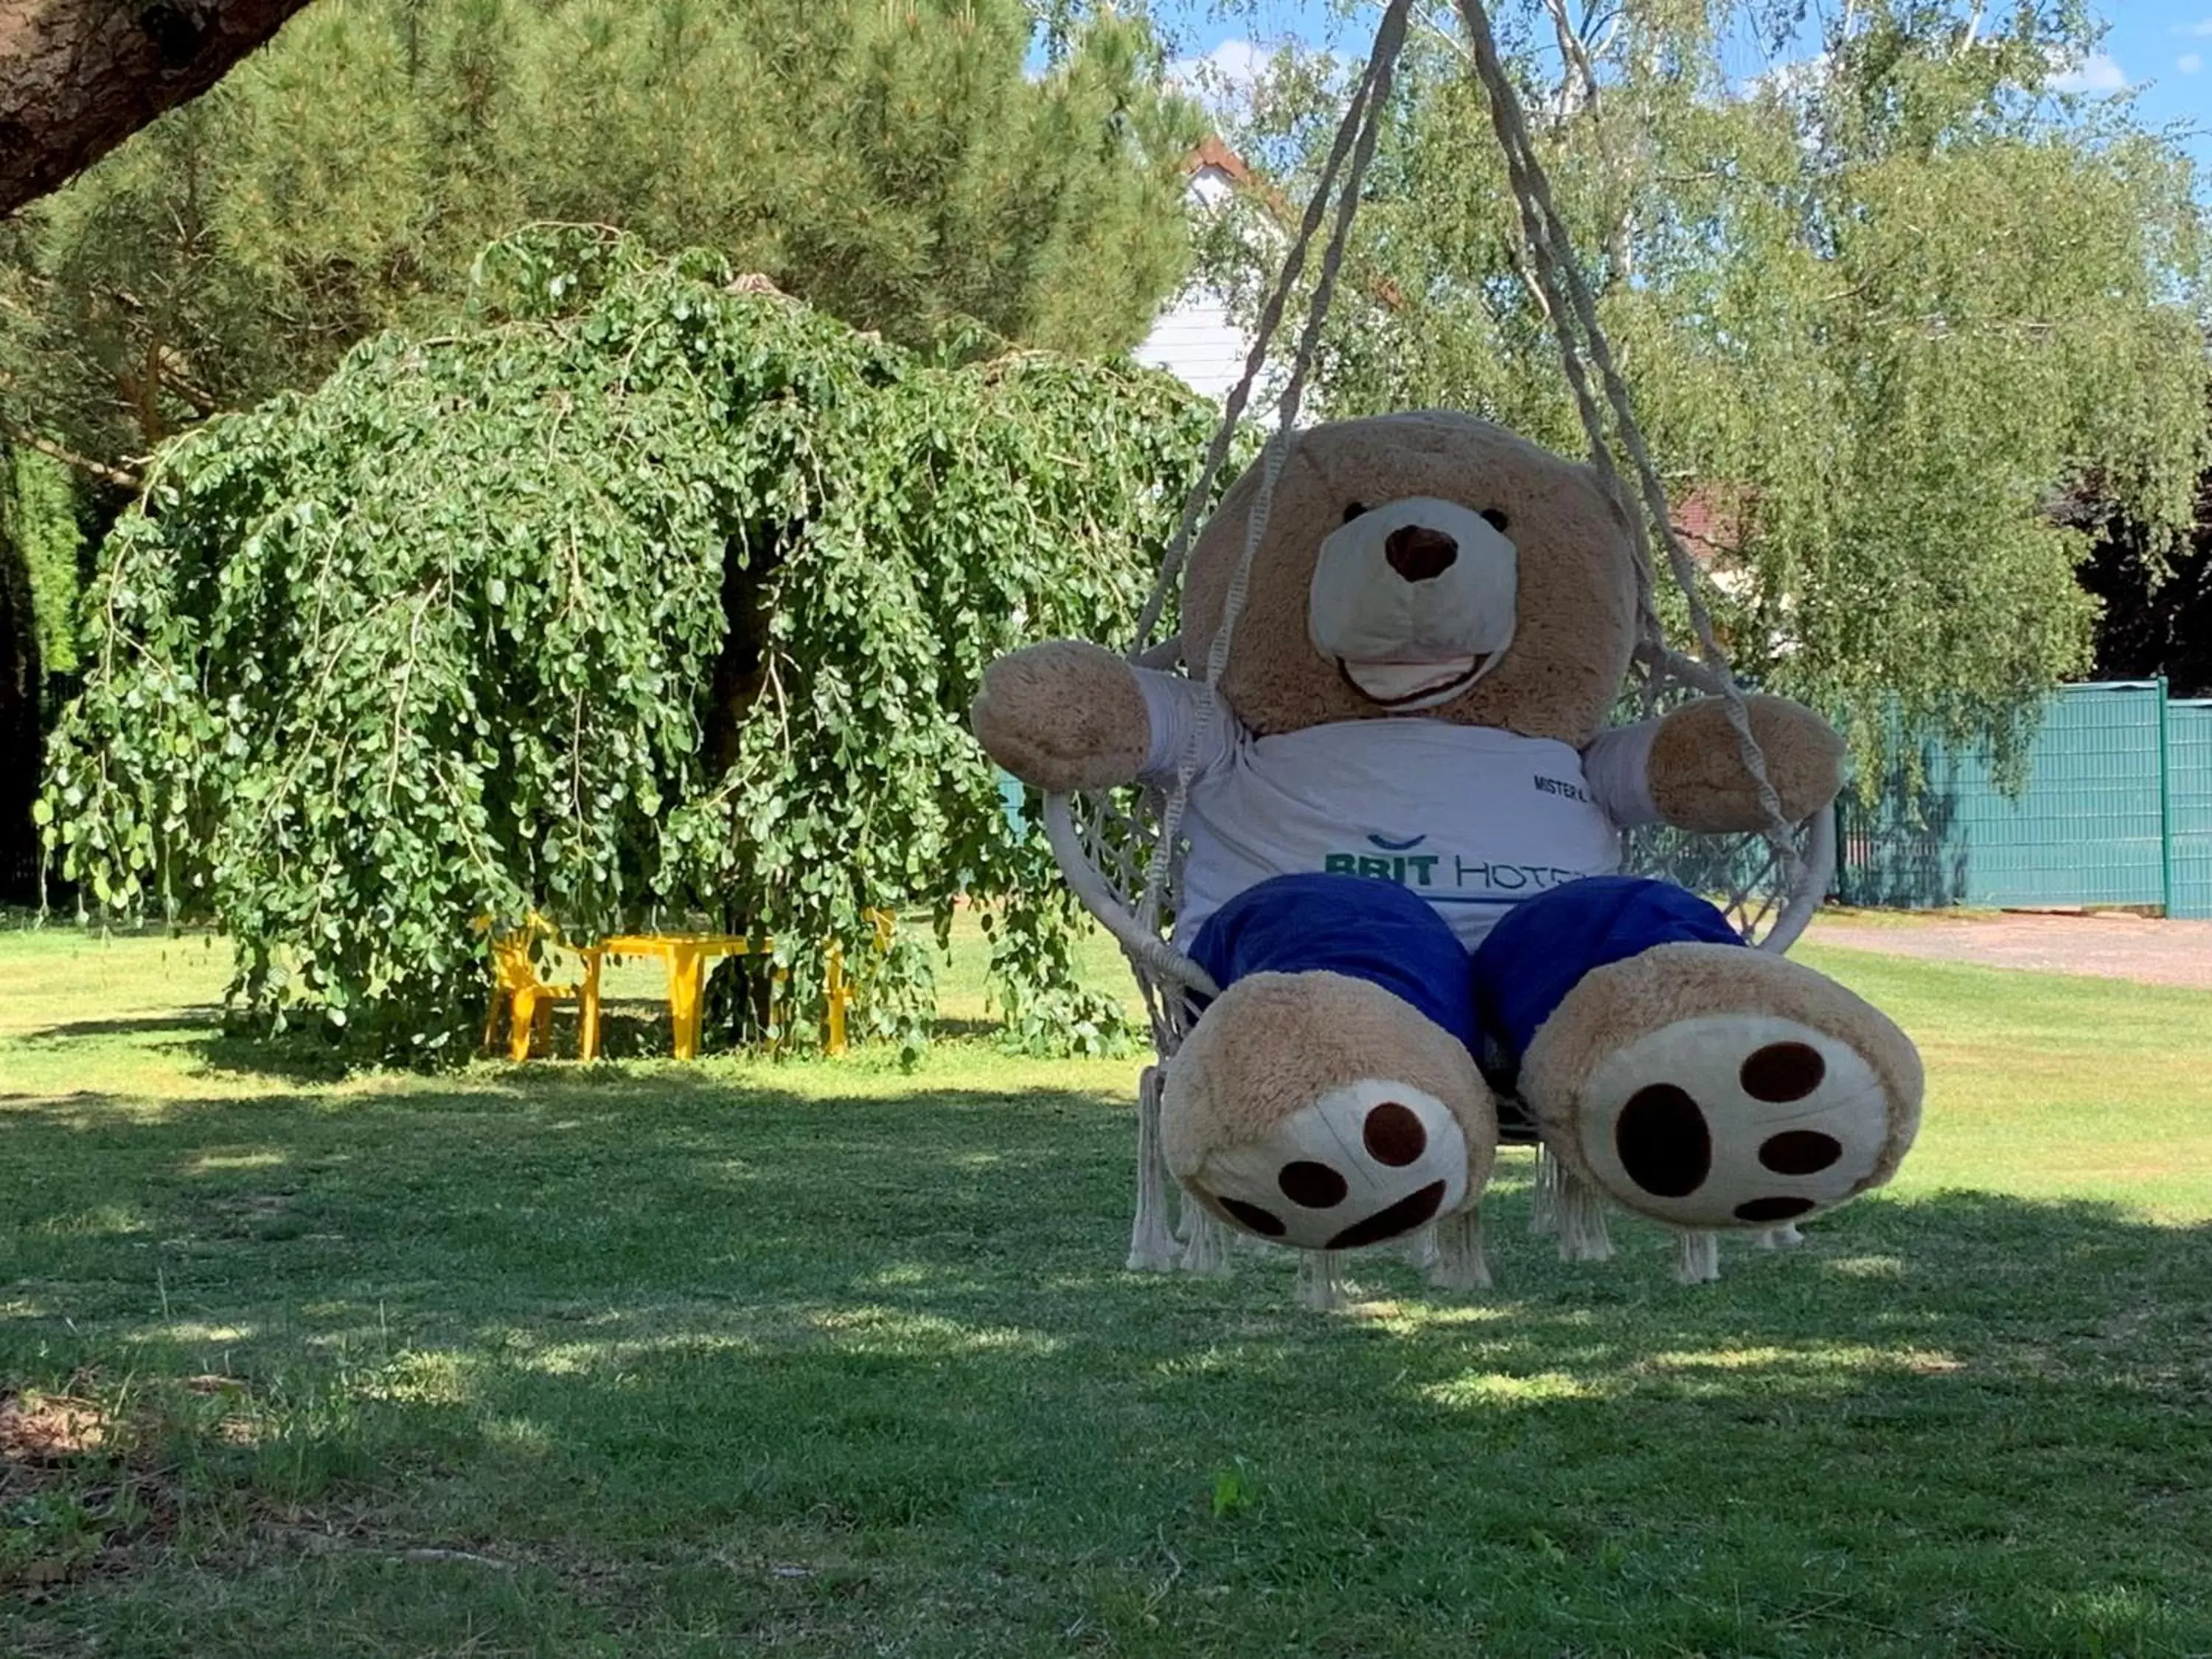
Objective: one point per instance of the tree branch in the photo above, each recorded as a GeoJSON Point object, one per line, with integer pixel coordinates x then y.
{"type": "Point", "coordinates": [177, 376]}
{"type": "Point", "coordinates": [70, 458]}
{"type": "Point", "coordinates": [1579, 91]}
{"type": "Point", "coordinates": [79, 76]}
{"type": "Point", "coordinates": [1973, 29]}
{"type": "Point", "coordinates": [1449, 33]}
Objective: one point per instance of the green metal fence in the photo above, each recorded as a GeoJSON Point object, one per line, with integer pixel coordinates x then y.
{"type": "Point", "coordinates": [2189, 808]}
{"type": "Point", "coordinates": [2117, 811]}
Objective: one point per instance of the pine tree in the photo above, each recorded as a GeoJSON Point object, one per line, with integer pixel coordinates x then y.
{"type": "Point", "coordinates": [895, 167]}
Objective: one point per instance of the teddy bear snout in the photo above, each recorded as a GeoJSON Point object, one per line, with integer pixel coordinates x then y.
{"type": "Point", "coordinates": [1412, 601]}
{"type": "Point", "coordinates": [1420, 554]}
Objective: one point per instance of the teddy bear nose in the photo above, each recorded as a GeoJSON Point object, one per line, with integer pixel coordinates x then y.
{"type": "Point", "coordinates": [1420, 553]}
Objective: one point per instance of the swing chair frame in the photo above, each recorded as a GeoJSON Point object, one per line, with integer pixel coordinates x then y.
{"type": "Point", "coordinates": [1123, 863]}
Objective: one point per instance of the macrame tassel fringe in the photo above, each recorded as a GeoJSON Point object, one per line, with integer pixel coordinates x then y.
{"type": "Point", "coordinates": [1459, 1261]}
{"type": "Point", "coordinates": [1421, 1248]}
{"type": "Point", "coordinates": [1583, 1234]}
{"type": "Point", "coordinates": [1697, 1255]}
{"type": "Point", "coordinates": [1321, 1287]}
{"type": "Point", "coordinates": [1152, 1241]}
{"type": "Point", "coordinates": [1207, 1251]}
{"type": "Point", "coordinates": [1785, 1237]}
{"type": "Point", "coordinates": [1544, 1200]}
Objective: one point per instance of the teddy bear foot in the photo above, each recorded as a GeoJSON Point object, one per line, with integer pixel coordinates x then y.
{"type": "Point", "coordinates": [1321, 1112]}
{"type": "Point", "coordinates": [1711, 1086]}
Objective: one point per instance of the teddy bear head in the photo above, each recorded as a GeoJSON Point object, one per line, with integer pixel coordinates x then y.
{"type": "Point", "coordinates": [1427, 564]}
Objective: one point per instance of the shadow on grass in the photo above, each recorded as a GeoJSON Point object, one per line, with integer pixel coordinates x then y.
{"type": "Point", "coordinates": [635, 1029]}
{"type": "Point", "coordinates": [203, 1033]}
{"type": "Point", "coordinates": [947, 1028]}
{"type": "Point", "coordinates": [644, 1319]}
{"type": "Point", "coordinates": [188, 1022]}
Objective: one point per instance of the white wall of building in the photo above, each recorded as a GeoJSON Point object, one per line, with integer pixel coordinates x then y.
{"type": "Point", "coordinates": [1196, 339]}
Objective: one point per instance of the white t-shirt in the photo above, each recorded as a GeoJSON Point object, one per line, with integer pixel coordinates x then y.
{"type": "Point", "coordinates": [1472, 818]}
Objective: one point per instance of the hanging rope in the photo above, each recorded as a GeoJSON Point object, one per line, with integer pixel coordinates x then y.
{"type": "Point", "coordinates": [1566, 296]}
{"type": "Point", "coordinates": [1362, 126]}
{"type": "Point", "coordinates": [1380, 65]}
{"type": "Point", "coordinates": [1165, 975]}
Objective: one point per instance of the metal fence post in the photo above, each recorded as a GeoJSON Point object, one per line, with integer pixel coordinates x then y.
{"type": "Point", "coordinates": [2165, 801]}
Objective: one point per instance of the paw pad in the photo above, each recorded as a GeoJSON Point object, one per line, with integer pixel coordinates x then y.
{"type": "Point", "coordinates": [1264, 1223]}
{"type": "Point", "coordinates": [1311, 1186]}
{"type": "Point", "coordinates": [1782, 1072]}
{"type": "Point", "coordinates": [1393, 1134]}
{"type": "Point", "coordinates": [1366, 1162]}
{"type": "Point", "coordinates": [1733, 1120]}
{"type": "Point", "coordinates": [1800, 1152]}
{"type": "Point", "coordinates": [1768, 1210]}
{"type": "Point", "coordinates": [1407, 1213]}
{"type": "Point", "coordinates": [1663, 1142]}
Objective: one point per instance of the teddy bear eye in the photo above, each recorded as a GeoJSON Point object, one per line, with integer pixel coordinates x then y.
{"type": "Point", "coordinates": [1352, 510]}
{"type": "Point", "coordinates": [1496, 519]}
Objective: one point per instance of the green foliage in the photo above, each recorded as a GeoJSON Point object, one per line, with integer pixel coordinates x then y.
{"type": "Point", "coordinates": [1882, 306]}
{"type": "Point", "coordinates": [2157, 612]}
{"type": "Point", "coordinates": [40, 516]}
{"type": "Point", "coordinates": [38, 547]}
{"type": "Point", "coordinates": [645, 595]}
{"type": "Point", "coordinates": [1232, 1492]}
{"type": "Point", "coordinates": [892, 165]}
{"type": "Point", "coordinates": [1046, 1009]}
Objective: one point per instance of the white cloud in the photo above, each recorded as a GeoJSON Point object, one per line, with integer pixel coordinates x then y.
{"type": "Point", "coordinates": [2189, 63]}
{"type": "Point", "coordinates": [2098, 72]}
{"type": "Point", "coordinates": [1797, 85]}
{"type": "Point", "coordinates": [1227, 74]}
{"type": "Point", "coordinates": [2202, 31]}
{"type": "Point", "coordinates": [1796, 77]}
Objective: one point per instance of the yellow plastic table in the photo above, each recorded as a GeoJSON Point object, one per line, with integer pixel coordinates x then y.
{"type": "Point", "coordinates": [687, 955]}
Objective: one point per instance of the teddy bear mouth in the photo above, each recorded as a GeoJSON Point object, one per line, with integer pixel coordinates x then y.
{"type": "Point", "coordinates": [1411, 684]}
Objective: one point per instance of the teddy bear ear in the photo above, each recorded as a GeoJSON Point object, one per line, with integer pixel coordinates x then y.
{"type": "Point", "coordinates": [1352, 510]}
{"type": "Point", "coordinates": [1497, 519]}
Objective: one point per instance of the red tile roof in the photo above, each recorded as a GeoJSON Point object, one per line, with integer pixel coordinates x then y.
{"type": "Point", "coordinates": [1212, 153]}
{"type": "Point", "coordinates": [1711, 521]}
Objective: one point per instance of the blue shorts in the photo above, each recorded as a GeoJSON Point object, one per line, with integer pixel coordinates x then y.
{"type": "Point", "coordinates": [1492, 998]}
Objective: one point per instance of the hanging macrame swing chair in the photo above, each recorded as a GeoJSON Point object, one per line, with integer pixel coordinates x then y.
{"type": "Point", "coordinates": [1121, 855]}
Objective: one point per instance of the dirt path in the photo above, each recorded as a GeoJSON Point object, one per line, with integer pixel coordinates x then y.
{"type": "Point", "coordinates": [2106, 946]}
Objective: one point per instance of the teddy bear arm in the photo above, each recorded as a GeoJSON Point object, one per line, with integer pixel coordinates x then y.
{"type": "Point", "coordinates": [1697, 780]}
{"type": "Point", "coordinates": [1063, 715]}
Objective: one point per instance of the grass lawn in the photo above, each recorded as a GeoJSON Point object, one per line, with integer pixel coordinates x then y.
{"type": "Point", "coordinates": [824, 1358]}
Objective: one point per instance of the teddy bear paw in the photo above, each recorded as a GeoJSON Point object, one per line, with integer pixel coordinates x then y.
{"type": "Point", "coordinates": [1734, 1120]}
{"type": "Point", "coordinates": [1370, 1161]}
{"type": "Point", "coordinates": [1321, 1112]}
{"type": "Point", "coordinates": [1715, 1087]}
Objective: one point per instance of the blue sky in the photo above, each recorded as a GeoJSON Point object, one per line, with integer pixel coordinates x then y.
{"type": "Point", "coordinates": [2161, 50]}
{"type": "Point", "coordinates": [2157, 52]}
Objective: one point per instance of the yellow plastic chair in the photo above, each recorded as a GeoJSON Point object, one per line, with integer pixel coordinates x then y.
{"type": "Point", "coordinates": [528, 1001]}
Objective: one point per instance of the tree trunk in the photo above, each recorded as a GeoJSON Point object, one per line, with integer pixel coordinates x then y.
{"type": "Point", "coordinates": [79, 76]}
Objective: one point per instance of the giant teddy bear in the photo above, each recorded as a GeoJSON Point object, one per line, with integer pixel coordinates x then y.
{"type": "Point", "coordinates": [1403, 829]}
